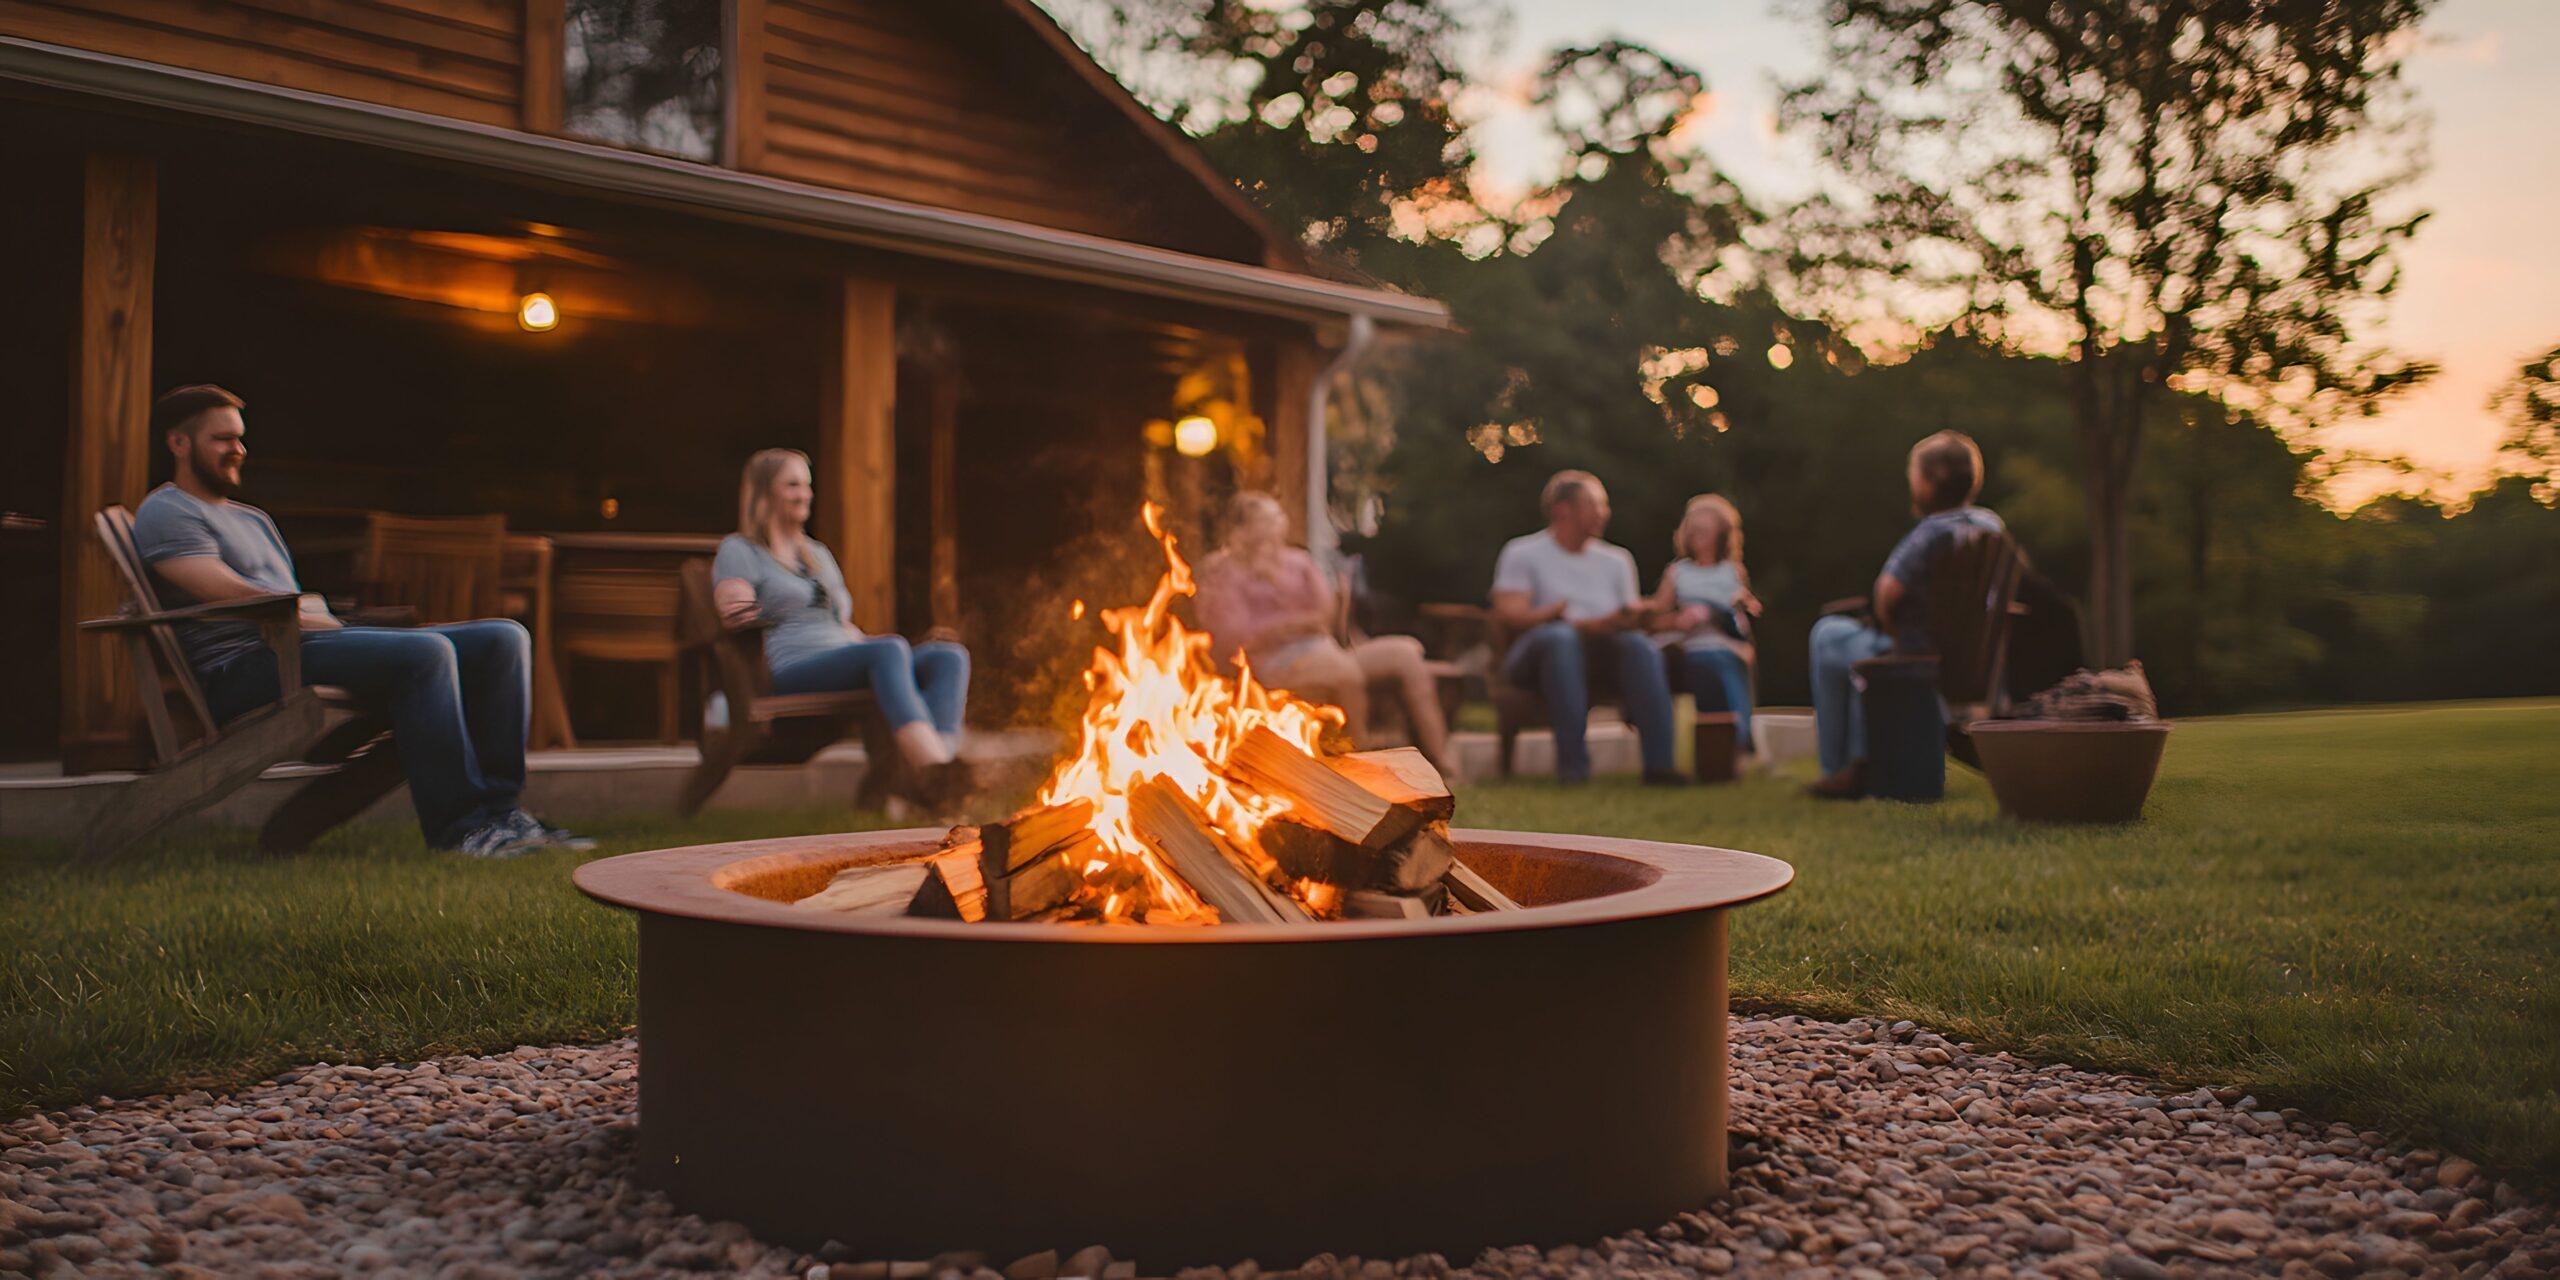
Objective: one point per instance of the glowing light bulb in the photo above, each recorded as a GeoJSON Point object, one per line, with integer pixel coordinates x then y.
{"type": "Point", "coordinates": [537, 313]}
{"type": "Point", "coordinates": [1195, 437]}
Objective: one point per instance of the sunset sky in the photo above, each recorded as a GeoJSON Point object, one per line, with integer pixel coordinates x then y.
{"type": "Point", "coordinates": [2481, 284]}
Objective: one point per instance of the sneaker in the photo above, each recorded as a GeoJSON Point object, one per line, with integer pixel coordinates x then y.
{"type": "Point", "coordinates": [546, 836]}
{"type": "Point", "coordinates": [497, 841]}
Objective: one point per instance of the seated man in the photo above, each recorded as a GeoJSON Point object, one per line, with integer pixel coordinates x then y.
{"type": "Point", "coordinates": [1572, 601]}
{"type": "Point", "coordinates": [1945, 474]}
{"type": "Point", "coordinates": [456, 695]}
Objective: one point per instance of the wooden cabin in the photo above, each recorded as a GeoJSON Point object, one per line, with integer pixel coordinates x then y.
{"type": "Point", "coordinates": [570, 261]}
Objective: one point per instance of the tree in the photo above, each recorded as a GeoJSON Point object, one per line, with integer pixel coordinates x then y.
{"type": "Point", "coordinates": [2530, 405]}
{"type": "Point", "coordinates": [1333, 114]}
{"type": "Point", "coordinates": [2169, 193]}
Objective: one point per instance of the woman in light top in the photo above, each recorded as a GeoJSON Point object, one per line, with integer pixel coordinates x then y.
{"type": "Point", "coordinates": [772, 572]}
{"type": "Point", "coordinates": [1274, 604]}
{"type": "Point", "coordinates": [1706, 591]}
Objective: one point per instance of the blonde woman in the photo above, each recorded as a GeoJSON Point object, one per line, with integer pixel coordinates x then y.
{"type": "Point", "coordinates": [772, 572]}
{"type": "Point", "coordinates": [1270, 601]}
{"type": "Point", "coordinates": [1706, 593]}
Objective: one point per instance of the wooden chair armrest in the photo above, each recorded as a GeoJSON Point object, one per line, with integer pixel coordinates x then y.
{"type": "Point", "coordinates": [244, 608]}
{"type": "Point", "coordinates": [1845, 605]}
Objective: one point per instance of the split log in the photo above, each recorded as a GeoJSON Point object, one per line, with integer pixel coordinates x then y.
{"type": "Point", "coordinates": [1016, 842]}
{"type": "Point", "coordinates": [1007, 847]}
{"type": "Point", "coordinates": [1418, 863]}
{"type": "Point", "coordinates": [1307, 852]}
{"type": "Point", "coordinates": [1175, 827]}
{"type": "Point", "coordinates": [1403, 776]}
{"type": "Point", "coordinates": [954, 891]}
{"type": "Point", "coordinates": [1475, 891]}
{"type": "Point", "coordinates": [1045, 883]}
{"type": "Point", "coordinates": [1377, 904]}
{"type": "Point", "coordinates": [877, 889]}
{"type": "Point", "coordinates": [1274, 766]}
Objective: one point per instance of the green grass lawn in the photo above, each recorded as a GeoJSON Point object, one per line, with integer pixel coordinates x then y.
{"type": "Point", "coordinates": [2354, 912]}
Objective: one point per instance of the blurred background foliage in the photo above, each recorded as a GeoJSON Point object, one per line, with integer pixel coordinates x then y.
{"type": "Point", "coordinates": [1631, 317]}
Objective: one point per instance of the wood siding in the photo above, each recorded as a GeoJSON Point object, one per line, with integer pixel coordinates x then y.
{"type": "Point", "coordinates": [957, 106]}
{"type": "Point", "coordinates": [457, 58]}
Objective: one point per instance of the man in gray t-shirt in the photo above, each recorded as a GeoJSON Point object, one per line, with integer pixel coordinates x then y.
{"type": "Point", "coordinates": [1572, 601]}
{"type": "Point", "coordinates": [456, 695]}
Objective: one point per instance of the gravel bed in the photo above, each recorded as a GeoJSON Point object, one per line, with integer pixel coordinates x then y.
{"type": "Point", "coordinates": [1862, 1149]}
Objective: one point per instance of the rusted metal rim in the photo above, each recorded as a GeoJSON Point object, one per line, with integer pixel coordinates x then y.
{"type": "Point", "coordinates": [1642, 878]}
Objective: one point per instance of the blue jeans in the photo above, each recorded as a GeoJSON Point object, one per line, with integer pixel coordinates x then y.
{"type": "Point", "coordinates": [1840, 724]}
{"type": "Point", "coordinates": [1720, 681]}
{"type": "Point", "coordinates": [929, 681]}
{"type": "Point", "coordinates": [456, 695]}
{"type": "Point", "coordinates": [1555, 660]}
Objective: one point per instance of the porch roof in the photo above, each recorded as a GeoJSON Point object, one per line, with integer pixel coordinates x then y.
{"type": "Point", "coordinates": [727, 194]}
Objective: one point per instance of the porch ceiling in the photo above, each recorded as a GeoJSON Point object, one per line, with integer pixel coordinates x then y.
{"type": "Point", "coordinates": [728, 194]}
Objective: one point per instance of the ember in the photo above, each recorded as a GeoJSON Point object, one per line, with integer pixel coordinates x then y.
{"type": "Point", "coordinates": [1192, 798]}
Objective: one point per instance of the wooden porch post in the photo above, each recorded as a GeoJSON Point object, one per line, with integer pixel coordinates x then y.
{"type": "Point", "coordinates": [857, 462]}
{"type": "Point", "coordinates": [944, 423]}
{"type": "Point", "coordinates": [1286, 377]}
{"type": "Point", "coordinates": [108, 457]}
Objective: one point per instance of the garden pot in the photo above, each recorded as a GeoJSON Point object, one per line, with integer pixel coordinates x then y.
{"type": "Point", "coordinates": [2070, 770]}
{"type": "Point", "coordinates": [1713, 744]}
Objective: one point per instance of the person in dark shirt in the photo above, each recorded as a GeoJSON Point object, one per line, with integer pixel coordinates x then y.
{"type": "Point", "coordinates": [1945, 472]}
{"type": "Point", "coordinates": [456, 695]}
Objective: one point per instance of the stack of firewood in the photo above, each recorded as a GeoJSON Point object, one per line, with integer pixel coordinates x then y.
{"type": "Point", "coordinates": [1360, 836]}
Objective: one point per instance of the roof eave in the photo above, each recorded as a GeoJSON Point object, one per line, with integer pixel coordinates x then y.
{"type": "Point", "coordinates": [849, 217]}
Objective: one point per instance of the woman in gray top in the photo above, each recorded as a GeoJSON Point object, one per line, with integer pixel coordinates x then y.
{"type": "Point", "coordinates": [772, 572]}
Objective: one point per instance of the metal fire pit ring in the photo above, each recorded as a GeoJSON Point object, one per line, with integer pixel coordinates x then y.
{"type": "Point", "coordinates": [1186, 1095]}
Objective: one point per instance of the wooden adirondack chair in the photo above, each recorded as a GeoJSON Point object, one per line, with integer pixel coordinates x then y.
{"type": "Point", "coordinates": [189, 774]}
{"type": "Point", "coordinates": [1973, 592]}
{"type": "Point", "coordinates": [765, 727]}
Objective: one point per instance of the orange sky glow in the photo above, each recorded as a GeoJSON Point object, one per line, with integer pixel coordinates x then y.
{"type": "Point", "coordinates": [2480, 289]}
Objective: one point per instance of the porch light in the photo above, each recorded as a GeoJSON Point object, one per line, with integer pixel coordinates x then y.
{"type": "Point", "coordinates": [537, 313]}
{"type": "Point", "coordinates": [1195, 436]}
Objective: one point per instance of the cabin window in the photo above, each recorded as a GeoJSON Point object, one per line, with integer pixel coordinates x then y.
{"type": "Point", "coordinates": [646, 74]}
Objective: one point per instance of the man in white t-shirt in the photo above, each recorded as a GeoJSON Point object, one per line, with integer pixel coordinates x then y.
{"type": "Point", "coordinates": [1573, 602]}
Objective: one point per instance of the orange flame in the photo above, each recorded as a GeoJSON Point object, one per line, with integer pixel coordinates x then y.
{"type": "Point", "coordinates": [1160, 709]}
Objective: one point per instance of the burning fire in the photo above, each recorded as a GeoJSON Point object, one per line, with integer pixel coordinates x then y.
{"type": "Point", "coordinates": [1160, 709]}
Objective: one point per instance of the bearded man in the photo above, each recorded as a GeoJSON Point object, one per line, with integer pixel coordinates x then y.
{"type": "Point", "coordinates": [456, 696]}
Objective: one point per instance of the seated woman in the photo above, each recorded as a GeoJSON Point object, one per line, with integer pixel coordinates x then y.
{"type": "Point", "coordinates": [1706, 593]}
{"type": "Point", "coordinates": [1944, 472]}
{"type": "Point", "coordinates": [772, 571]}
{"type": "Point", "coordinates": [1270, 602]}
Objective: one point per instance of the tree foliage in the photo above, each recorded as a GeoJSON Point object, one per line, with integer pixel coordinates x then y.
{"type": "Point", "coordinates": [2169, 192]}
{"type": "Point", "coordinates": [2529, 405]}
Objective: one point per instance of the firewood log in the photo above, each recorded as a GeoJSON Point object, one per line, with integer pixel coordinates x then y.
{"type": "Point", "coordinates": [1377, 904]}
{"type": "Point", "coordinates": [1007, 847]}
{"type": "Point", "coordinates": [1403, 776]}
{"type": "Point", "coordinates": [1475, 891]}
{"type": "Point", "coordinates": [1417, 863]}
{"type": "Point", "coordinates": [1043, 884]}
{"type": "Point", "coordinates": [876, 889]}
{"type": "Point", "coordinates": [1174, 825]}
{"type": "Point", "coordinates": [1326, 798]}
{"type": "Point", "coordinates": [954, 891]}
{"type": "Point", "coordinates": [1308, 852]}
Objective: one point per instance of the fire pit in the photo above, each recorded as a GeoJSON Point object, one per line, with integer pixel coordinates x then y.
{"type": "Point", "coordinates": [911, 1086]}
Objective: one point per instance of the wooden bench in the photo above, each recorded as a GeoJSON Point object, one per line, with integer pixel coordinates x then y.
{"type": "Point", "coordinates": [189, 774]}
{"type": "Point", "coordinates": [764, 727]}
